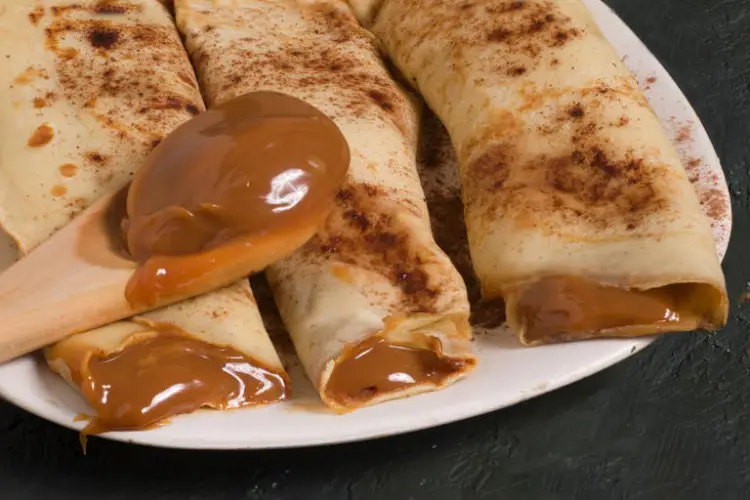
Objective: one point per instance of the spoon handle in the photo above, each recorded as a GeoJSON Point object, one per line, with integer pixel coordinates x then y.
{"type": "Point", "coordinates": [71, 283]}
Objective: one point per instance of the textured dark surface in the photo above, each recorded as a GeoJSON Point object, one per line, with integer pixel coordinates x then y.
{"type": "Point", "coordinates": [673, 422]}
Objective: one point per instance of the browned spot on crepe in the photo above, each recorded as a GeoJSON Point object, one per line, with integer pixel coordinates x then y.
{"type": "Point", "coordinates": [219, 313]}
{"type": "Point", "coordinates": [105, 7]}
{"type": "Point", "coordinates": [487, 167]}
{"type": "Point", "coordinates": [58, 190]}
{"type": "Point", "coordinates": [68, 53]}
{"type": "Point", "coordinates": [516, 71]}
{"type": "Point", "coordinates": [95, 80]}
{"type": "Point", "coordinates": [29, 75]}
{"type": "Point", "coordinates": [525, 32]}
{"type": "Point", "coordinates": [35, 15]}
{"type": "Point", "coordinates": [528, 27]}
{"type": "Point", "coordinates": [58, 10]}
{"type": "Point", "coordinates": [535, 98]}
{"type": "Point", "coordinates": [489, 171]}
{"type": "Point", "coordinates": [588, 183]}
{"type": "Point", "coordinates": [364, 231]}
{"type": "Point", "coordinates": [41, 136]}
{"type": "Point", "coordinates": [576, 111]}
{"type": "Point", "coordinates": [604, 189]}
{"type": "Point", "coordinates": [76, 205]}
{"type": "Point", "coordinates": [103, 38]}
{"type": "Point", "coordinates": [95, 158]}
{"type": "Point", "coordinates": [68, 170]}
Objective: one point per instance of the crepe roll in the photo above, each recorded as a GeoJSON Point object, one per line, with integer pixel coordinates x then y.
{"type": "Point", "coordinates": [375, 309]}
{"type": "Point", "coordinates": [89, 88]}
{"type": "Point", "coordinates": [86, 92]}
{"type": "Point", "coordinates": [579, 213]}
{"type": "Point", "coordinates": [211, 351]}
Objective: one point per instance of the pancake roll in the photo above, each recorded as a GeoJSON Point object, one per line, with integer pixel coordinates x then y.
{"type": "Point", "coordinates": [211, 351]}
{"type": "Point", "coordinates": [579, 213]}
{"type": "Point", "coordinates": [375, 309]}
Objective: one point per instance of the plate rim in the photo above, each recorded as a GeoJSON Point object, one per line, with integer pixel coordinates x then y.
{"type": "Point", "coordinates": [458, 412]}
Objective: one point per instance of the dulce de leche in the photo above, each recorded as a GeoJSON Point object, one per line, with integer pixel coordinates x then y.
{"type": "Point", "coordinates": [168, 374]}
{"type": "Point", "coordinates": [229, 192]}
{"type": "Point", "coordinates": [376, 367]}
{"type": "Point", "coordinates": [569, 308]}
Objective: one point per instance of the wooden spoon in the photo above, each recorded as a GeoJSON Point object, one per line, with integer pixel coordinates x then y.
{"type": "Point", "coordinates": [253, 179]}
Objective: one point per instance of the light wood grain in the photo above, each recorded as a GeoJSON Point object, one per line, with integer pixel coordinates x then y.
{"type": "Point", "coordinates": [56, 290]}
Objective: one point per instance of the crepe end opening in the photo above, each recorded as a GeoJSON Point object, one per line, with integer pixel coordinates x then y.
{"type": "Point", "coordinates": [564, 308]}
{"type": "Point", "coordinates": [395, 364]}
{"type": "Point", "coordinates": [157, 374]}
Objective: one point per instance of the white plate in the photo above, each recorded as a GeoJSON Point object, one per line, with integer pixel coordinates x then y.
{"type": "Point", "coordinates": [506, 375]}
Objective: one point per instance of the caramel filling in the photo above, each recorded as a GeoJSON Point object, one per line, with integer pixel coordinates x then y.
{"type": "Point", "coordinates": [567, 308]}
{"type": "Point", "coordinates": [376, 366]}
{"type": "Point", "coordinates": [171, 374]}
{"type": "Point", "coordinates": [234, 189]}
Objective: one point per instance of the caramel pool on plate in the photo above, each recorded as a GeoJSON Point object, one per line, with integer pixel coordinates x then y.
{"type": "Point", "coordinates": [238, 187]}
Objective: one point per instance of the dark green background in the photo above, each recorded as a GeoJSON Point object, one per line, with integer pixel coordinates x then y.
{"type": "Point", "coordinates": [673, 422]}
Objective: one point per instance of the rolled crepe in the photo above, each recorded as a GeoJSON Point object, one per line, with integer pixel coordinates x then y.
{"type": "Point", "coordinates": [157, 382]}
{"type": "Point", "coordinates": [86, 91]}
{"type": "Point", "coordinates": [375, 309]}
{"type": "Point", "coordinates": [579, 213]}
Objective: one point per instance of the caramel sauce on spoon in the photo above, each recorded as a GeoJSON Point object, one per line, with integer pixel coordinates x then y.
{"type": "Point", "coordinates": [229, 192]}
